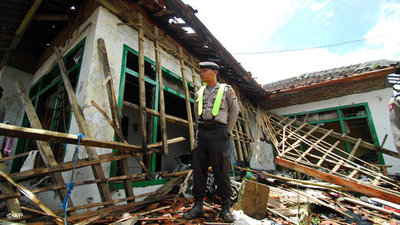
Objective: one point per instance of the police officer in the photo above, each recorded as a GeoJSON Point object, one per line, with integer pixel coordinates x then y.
{"type": "Point", "coordinates": [216, 111]}
{"type": "Point", "coordinates": [394, 116]}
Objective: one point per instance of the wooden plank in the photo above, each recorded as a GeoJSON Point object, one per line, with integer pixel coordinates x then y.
{"type": "Point", "coordinates": [361, 188]}
{"type": "Point", "coordinates": [84, 128]}
{"type": "Point", "coordinates": [353, 151]}
{"type": "Point", "coordinates": [242, 141]}
{"type": "Point", "coordinates": [183, 185]}
{"type": "Point", "coordinates": [33, 198]}
{"type": "Point", "coordinates": [238, 144]}
{"type": "Point", "coordinates": [6, 188]}
{"type": "Point", "coordinates": [163, 123]}
{"type": "Point", "coordinates": [110, 83]}
{"type": "Point", "coordinates": [20, 31]}
{"type": "Point", "coordinates": [327, 153]}
{"type": "Point", "coordinates": [142, 85]}
{"type": "Point", "coordinates": [187, 99]}
{"type": "Point", "coordinates": [315, 144]}
{"type": "Point", "coordinates": [114, 112]}
{"type": "Point", "coordinates": [58, 137]}
{"type": "Point", "coordinates": [352, 174]}
{"type": "Point", "coordinates": [65, 167]}
{"type": "Point", "coordinates": [169, 118]}
{"type": "Point", "coordinates": [44, 148]}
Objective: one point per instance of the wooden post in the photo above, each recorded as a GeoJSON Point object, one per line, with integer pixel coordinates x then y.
{"type": "Point", "coordinates": [110, 83]}
{"type": "Point", "coordinates": [114, 110]}
{"type": "Point", "coordinates": [44, 147]}
{"type": "Point", "coordinates": [187, 99]}
{"type": "Point", "coordinates": [84, 128]}
{"type": "Point", "coordinates": [163, 123]}
{"type": "Point", "coordinates": [242, 140]}
{"type": "Point", "coordinates": [142, 85]}
{"type": "Point", "coordinates": [235, 134]}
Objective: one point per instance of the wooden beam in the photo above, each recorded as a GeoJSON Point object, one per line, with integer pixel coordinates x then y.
{"type": "Point", "coordinates": [187, 99]}
{"type": "Point", "coordinates": [361, 188]}
{"type": "Point", "coordinates": [114, 112]}
{"type": "Point", "coordinates": [353, 151]}
{"type": "Point", "coordinates": [51, 17]}
{"type": "Point", "coordinates": [163, 123]}
{"type": "Point", "coordinates": [6, 188]}
{"type": "Point", "coordinates": [65, 167]}
{"type": "Point", "coordinates": [142, 85]}
{"type": "Point", "coordinates": [58, 137]}
{"type": "Point", "coordinates": [84, 128]}
{"type": "Point", "coordinates": [33, 198]}
{"type": "Point", "coordinates": [110, 83]}
{"type": "Point", "coordinates": [44, 148]}
{"type": "Point", "coordinates": [25, 23]}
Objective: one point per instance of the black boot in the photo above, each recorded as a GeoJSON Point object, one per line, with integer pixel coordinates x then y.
{"type": "Point", "coordinates": [225, 213]}
{"type": "Point", "coordinates": [196, 211]}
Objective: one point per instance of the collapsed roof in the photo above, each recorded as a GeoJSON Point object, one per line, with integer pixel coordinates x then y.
{"type": "Point", "coordinates": [28, 30]}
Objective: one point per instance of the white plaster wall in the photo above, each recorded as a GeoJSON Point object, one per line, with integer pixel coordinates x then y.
{"type": "Point", "coordinates": [91, 87]}
{"type": "Point", "coordinates": [262, 157]}
{"type": "Point", "coordinates": [12, 101]}
{"type": "Point", "coordinates": [378, 105]}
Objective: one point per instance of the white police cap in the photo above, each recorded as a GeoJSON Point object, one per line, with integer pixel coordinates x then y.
{"type": "Point", "coordinates": [210, 65]}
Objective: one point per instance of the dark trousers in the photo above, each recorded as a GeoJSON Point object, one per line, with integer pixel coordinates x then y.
{"type": "Point", "coordinates": [212, 148]}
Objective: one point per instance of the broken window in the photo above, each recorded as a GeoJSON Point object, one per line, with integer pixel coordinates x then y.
{"type": "Point", "coordinates": [174, 102]}
{"type": "Point", "coordinates": [354, 120]}
{"type": "Point", "coordinates": [49, 97]}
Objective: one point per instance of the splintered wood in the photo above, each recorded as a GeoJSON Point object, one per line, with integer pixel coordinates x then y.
{"type": "Point", "coordinates": [304, 148]}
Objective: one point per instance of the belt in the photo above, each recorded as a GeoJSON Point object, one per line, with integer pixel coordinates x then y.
{"type": "Point", "coordinates": [209, 124]}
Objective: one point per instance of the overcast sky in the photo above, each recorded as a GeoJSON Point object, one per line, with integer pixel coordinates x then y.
{"type": "Point", "coordinates": [258, 33]}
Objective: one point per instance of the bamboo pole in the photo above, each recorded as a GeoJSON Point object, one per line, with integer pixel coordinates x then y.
{"type": "Point", "coordinates": [238, 144]}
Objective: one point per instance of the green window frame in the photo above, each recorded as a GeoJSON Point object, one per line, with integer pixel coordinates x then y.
{"type": "Point", "coordinates": [341, 120]}
{"type": "Point", "coordinates": [167, 74]}
{"type": "Point", "coordinates": [39, 88]}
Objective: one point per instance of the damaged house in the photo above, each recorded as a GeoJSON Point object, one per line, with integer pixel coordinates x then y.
{"type": "Point", "coordinates": [104, 90]}
{"type": "Point", "coordinates": [122, 74]}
